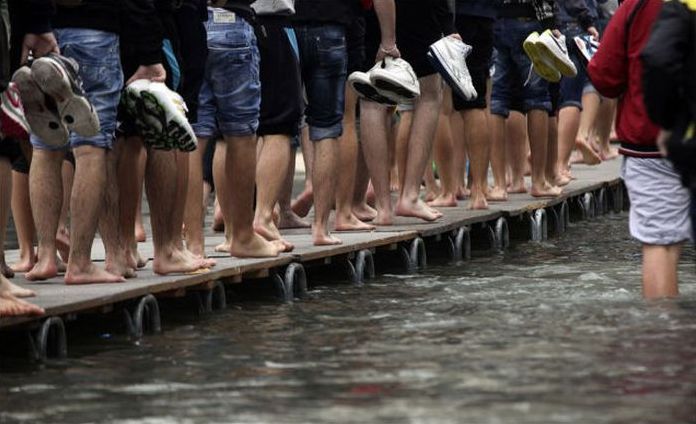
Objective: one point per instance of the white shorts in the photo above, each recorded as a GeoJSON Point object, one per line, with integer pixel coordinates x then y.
{"type": "Point", "coordinates": [660, 204]}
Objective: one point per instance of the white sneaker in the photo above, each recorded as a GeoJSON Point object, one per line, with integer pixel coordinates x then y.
{"type": "Point", "coordinates": [160, 115]}
{"type": "Point", "coordinates": [448, 56]}
{"type": "Point", "coordinates": [540, 63]}
{"type": "Point", "coordinates": [395, 79]}
{"type": "Point", "coordinates": [586, 47]}
{"type": "Point", "coordinates": [556, 52]}
{"type": "Point", "coordinates": [360, 83]}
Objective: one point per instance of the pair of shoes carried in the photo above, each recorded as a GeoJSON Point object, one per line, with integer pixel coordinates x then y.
{"type": "Point", "coordinates": [54, 101]}
{"type": "Point", "coordinates": [13, 123]}
{"type": "Point", "coordinates": [448, 57]}
{"type": "Point", "coordinates": [160, 115]}
{"type": "Point", "coordinates": [549, 56]}
{"type": "Point", "coordinates": [586, 47]}
{"type": "Point", "coordinates": [389, 82]}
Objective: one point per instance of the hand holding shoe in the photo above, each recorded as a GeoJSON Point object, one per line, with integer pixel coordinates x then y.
{"type": "Point", "coordinates": [39, 45]}
{"type": "Point", "coordinates": [154, 73]}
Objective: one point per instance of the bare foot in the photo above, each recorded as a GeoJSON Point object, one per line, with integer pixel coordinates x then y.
{"type": "Point", "coordinates": [463, 193]}
{"type": "Point", "coordinates": [140, 235]}
{"type": "Point", "coordinates": [517, 187]}
{"type": "Point", "coordinates": [431, 195]}
{"type": "Point", "coordinates": [90, 275]}
{"type": "Point", "coordinates": [547, 190]}
{"type": "Point", "coordinates": [44, 269]}
{"type": "Point", "coordinates": [25, 264]}
{"type": "Point", "coordinates": [63, 243]}
{"type": "Point", "coordinates": [6, 286]}
{"type": "Point", "coordinates": [5, 270]}
{"type": "Point", "coordinates": [289, 219]}
{"type": "Point", "coordinates": [609, 154]}
{"type": "Point", "coordinates": [365, 212]}
{"type": "Point", "coordinates": [120, 267]}
{"type": "Point", "coordinates": [270, 232]}
{"type": "Point", "coordinates": [325, 239]}
{"type": "Point", "coordinates": [176, 262]}
{"type": "Point", "coordinates": [416, 209]}
{"type": "Point", "coordinates": [444, 201]}
{"type": "Point", "coordinates": [218, 219]}
{"type": "Point", "coordinates": [255, 247]}
{"type": "Point", "coordinates": [384, 218]}
{"type": "Point", "coordinates": [562, 180]}
{"type": "Point", "coordinates": [351, 223]}
{"type": "Point", "coordinates": [370, 196]}
{"type": "Point", "coordinates": [497, 194]}
{"type": "Point", "coordinates": [589, 156]}
{"type": "Point", "coordinates": [478, 202]}
{"type": "Point", "coordinates": [11, 306]}
{"type": "Point", "coordinates": [303, 203]}
{"type": "Point", "coordinates": [223, 247]}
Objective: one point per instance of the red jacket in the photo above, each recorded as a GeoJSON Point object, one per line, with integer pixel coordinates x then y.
{"type": "Point", "coordinates": [616, 71]}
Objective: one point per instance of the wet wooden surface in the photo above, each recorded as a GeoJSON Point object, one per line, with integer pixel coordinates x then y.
{"type": "Point", "coordinates": [59, 299]}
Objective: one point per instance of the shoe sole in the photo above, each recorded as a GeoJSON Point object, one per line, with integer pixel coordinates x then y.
{"type": "Point", "coordinates": [465, 90]}
{"type": "Point", "coordinates": [16, 118]}
{"type": "Point", "coordinates": [385, 84]}
{"type": "Point", "coordinates": [367, 91]}
{"type": "Point", "coordinates": [564, 68]}
{"type": "Point", "coordinates": [540, 65]}
{"type": "Point", "coordinates": [76, 111]}
{"type": "Point", "coordinates": [44, 123]}
{"type": "Point", "coordinates": [157, 130]}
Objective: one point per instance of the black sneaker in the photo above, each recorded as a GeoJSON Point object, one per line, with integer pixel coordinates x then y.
{"type": "Point", "coordinates": [58, 78]}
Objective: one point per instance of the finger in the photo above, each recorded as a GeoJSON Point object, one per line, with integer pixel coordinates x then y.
{"type": "Point", "coordinates": [25, 54]}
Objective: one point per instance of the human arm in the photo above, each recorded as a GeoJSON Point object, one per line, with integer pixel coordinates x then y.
{"type": "Point", "coordinates": [386, 15]}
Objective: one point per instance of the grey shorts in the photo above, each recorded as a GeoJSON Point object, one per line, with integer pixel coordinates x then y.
{"type": "Point", "coordinates": [659, 203]}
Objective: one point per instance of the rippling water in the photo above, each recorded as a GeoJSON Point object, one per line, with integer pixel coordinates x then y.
{"type": "Point", "coordinates": [545, 333]}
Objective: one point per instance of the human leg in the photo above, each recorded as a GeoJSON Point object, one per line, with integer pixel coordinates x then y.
{"type": "Point", "coordinates": [444, 155]}
{"type": "Point", "coordinates": [517, 150]}
{"type": "Point", "coordinates": [373, 129]}
{"type": "Point", "coordinates": [425, 118]}
{"type": "Point", "coordinates": [24, 223]}
{"type": "Point", "coordinates": [5, 206]}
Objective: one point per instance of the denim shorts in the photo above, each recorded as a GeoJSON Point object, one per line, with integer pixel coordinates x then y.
{"type": "Point", "coordinates": [660, 204]}
{"type": "Point", "coordinates": [230, 99]}
{"type": "Point", "coordinates": [324, 62]}
{"type": "Point", "coordinates": [514, 83]}
{"type": "Point", "coordinates": [572, 89]}
{"type": "Point", "coordinates": [97, 54]}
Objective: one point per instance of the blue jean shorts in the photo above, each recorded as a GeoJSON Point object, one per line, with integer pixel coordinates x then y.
{"type": "Point", "coordinates": [324, 62]}
{"type": "Point", "coordinates": [572, 89]}
{"type": "Point", "coordinates": [97, 54]}
{"type": "Point", "coordinates": [660, 204]}
{"type": "Point", "coordinates": [230, 98]}
{"type": "Point", "coordinates": [513, 82]}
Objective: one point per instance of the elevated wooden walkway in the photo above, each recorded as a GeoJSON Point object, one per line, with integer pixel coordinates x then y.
{"type": "Point", "coordinates": [596, 190]}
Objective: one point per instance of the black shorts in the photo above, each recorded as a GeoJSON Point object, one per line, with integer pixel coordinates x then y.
{"type": "Point", "coordinates": [416, 29]}
{"type": "Point", "coordinates": [478, 33]}
{"type": "Point", "coordinates": [373, 38]}
{"type": "Point", "coordinates": [193, 53]}
{"type": "Point", "coordinates": [281, 83]}
{"type": "Point", "coordinates": [355, 44]}
{"type": "Point", "coordinates": [10, 149]}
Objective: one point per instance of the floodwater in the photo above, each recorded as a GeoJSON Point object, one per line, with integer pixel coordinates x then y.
{"type": "Point", "coordinates": [544, 333]}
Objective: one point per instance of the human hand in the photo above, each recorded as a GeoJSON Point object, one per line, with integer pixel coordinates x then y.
{"type": "Point", "coordinates": [39, 45]}
{"type": "Point", "coordinates": [593, 32]}
{"type": "Point", "coordinates": [384, 52]}
{"type": "Point", "coordinates": [456, 36]}
{"type": "Point", "coordinates": [556, 33]}
{"type": "Point", "coordinates": [662, 140]}
{"type": "Point", "coordinates": [155, 73]}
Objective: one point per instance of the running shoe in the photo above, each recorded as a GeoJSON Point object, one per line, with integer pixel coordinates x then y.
{"type": "Point", "coordinates": [160, 115]}
{"type": "Point", "coordinates": [360, 83]}
{"type": "Point", "coordinates": [13, 124]}
{"type": "Point", "coordinates": [57, 76]}
{"type": "Point", "coordinates": [448, 56]}
{"type": "Point", "coordinates": [554, 49]}
{"type": "Point", "coordinates": [540, 64]}
{"type": "Point", "coordinates": [586, 46]}
{"type": "Point", "coordinates": [40, 110]}
{"type": "Point", "coordinates": [395, 78]}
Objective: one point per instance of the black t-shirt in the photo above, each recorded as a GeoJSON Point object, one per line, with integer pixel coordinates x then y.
{"type": "Point", "coordinates": [341, 12]}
